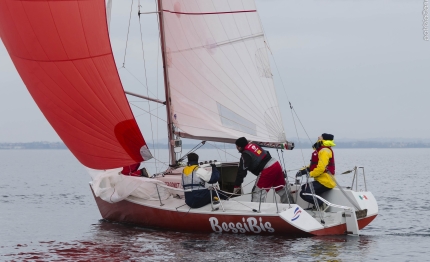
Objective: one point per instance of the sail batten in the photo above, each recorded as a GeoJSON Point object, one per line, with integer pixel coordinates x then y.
{"type": "Point", "coordinates": [204, 116]}
{"type": "Point", "coordinates": [61, 49]}
{"type": "Point", "coordinates": [62, 60]}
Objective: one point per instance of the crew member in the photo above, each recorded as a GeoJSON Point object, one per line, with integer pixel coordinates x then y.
{"type": "Point", "coordinates": [132, 170]}
{"type": "Point", "coordinates": [267, 169]}
{"type": "Point", "coordinates": [194, 178]}
{"type": "Point", "coordinates": [322, 169]}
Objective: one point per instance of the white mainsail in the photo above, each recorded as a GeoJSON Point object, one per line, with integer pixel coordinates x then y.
{"type": "Point", "coordinates": [219, 73]}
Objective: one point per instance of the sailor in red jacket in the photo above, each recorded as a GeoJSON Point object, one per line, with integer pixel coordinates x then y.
{"type": "Point", "coordinates": [267, 169]}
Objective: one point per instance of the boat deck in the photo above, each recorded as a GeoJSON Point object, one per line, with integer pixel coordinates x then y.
{"type": "Point", "coordinates": [232, 207]}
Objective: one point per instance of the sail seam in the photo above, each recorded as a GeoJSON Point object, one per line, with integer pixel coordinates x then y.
{"type": "Point", "coordinates": [61, 71]}
{"type": "Point", "coordinates": [243, 80]}
{"type": "Point", "coordinates": [43, 69]}
{"type": "Point", "coordinates": [62, 60]}
{"type": "Point", "coordinates": [215, 75]}
{"type": "Point", "coordinates": [236, 84]}
{"type": "Point", "coordinates": [211, 13]}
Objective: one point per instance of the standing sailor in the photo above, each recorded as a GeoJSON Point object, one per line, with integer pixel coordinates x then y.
{"type": "Point", "coordinates": [322, 168]}
{"type": "Point", "coordinates": [267, 169]}
{"type": "Point", "coordinates": [194, 178]}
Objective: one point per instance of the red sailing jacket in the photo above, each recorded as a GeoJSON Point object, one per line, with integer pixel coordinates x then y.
{"type": "Point", "coordinates": [314, 161]}
{"type": "Point", "coordinates": [131, 170]}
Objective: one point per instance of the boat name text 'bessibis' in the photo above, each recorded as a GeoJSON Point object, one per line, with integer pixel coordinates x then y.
{"type": "Point", "coordinates": [250, 225]}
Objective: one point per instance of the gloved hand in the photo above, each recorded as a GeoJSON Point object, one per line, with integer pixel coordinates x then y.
{"type": "Point", "coordinates": [213, 165]}
{"type": "Point", "coordinates": [302, 171]}
{"type": "Point", "coordinates": [237, 190]}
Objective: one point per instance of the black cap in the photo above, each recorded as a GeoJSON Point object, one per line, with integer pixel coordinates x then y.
{"type": "Point", "coordinates": [193, 157]}
{"type": "Point", "coordinates": [242, 142]}
{"type": "Point", "coordinates": [327, 136]}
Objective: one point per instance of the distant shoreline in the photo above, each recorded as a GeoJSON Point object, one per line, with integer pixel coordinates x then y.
{"type": "Point", "coordinates": [355, 144]}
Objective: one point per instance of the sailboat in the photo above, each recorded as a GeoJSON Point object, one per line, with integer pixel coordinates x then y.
{"type": "Point", "coordinates": [218, 87]}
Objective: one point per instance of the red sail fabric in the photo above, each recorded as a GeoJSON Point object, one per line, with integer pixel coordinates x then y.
{"type": "Point", "coordinates": [62, 51]}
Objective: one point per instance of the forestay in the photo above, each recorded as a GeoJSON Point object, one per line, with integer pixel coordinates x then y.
{"type": "Point", "coordinates": [219, 72]}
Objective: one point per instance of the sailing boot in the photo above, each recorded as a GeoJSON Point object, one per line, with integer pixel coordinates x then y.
{"type": "Point", "coordinates": [215, 203]}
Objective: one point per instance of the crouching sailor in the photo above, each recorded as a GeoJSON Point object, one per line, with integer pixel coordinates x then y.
{"type": "Point", "coordinates": [322, 169]}
{"type": "Point", "coordinates": [194, 178]}
{"type": "Point", "coordinates": [267, 169]}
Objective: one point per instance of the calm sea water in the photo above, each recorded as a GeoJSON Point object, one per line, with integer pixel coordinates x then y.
{"type": "Point", "coordinates": [47, 212]}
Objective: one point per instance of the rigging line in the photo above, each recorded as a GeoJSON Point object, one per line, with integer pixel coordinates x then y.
{"type": "Point", "coordinates": [158, 57]}
{"type": "Point", "coordinates": [194, 149]}
{"type": "Point", "coordinates": [302, 125]}
{"type": "Point", "coordinates": [218, 151]}
{"type": "Point", "coordinates": [297, 133]}
{"type": "Point", "coordinates": [221, 149]}
{"type": "Point", "coordinates": [285, 92]}
{"type": "Point", "coordinates": [137, 80]}
{"type": "Point", "coordinates": [147, 112]}
{"type": "Point", "coordinates": [283, 160]}
{"type": "Point", "coordinates": [226, 74]}
{"type": "Point", "coordinates": [279, 157]}
{"type": "Point", "coordinates": [159, 161]}
{"type": "Point", "coordinates": [136, 116]}
{"type": "Point", "coordinates": [145, 101]}
{"type": "Point", "coordinates": [146, 83]}
{"type": "Point", "coordinates": [128, 32]}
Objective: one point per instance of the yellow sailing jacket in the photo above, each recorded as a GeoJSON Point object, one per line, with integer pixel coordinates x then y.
{"type": "Point", "coordinates": [189, 169]}
{"type": "Point", "coordinates": [319, 173]}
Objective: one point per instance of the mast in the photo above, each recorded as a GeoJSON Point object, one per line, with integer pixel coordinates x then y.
{"type": "Point", "coordinates": [170, 131]}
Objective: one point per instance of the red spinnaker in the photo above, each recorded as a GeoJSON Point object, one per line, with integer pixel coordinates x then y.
{"type": "Point", "coordinates": [62, 51]}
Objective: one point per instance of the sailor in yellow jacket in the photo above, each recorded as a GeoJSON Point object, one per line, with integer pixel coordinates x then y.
{"type": "Point", "coordinates": [322, 169]}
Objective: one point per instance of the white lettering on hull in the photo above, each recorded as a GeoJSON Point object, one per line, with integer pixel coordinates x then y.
{"type": "Point", "coordinates": [250, 225]}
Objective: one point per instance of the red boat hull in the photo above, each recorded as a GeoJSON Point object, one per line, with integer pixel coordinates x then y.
{"type": "Point", "coordinates": [132, 213]}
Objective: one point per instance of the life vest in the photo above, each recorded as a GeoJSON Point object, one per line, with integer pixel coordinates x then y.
{"type": "Point", "coordinates": [314, 161]}
{"type": "Point", "coordinates": [190, 180]}
{"type": "Point", "coordinates": [257, 155]}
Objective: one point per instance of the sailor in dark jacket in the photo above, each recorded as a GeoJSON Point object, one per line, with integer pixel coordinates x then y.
{"type": "Point", "coordinates": [267, 169]}
{"type": "Point", "coordinates": [194, 178]}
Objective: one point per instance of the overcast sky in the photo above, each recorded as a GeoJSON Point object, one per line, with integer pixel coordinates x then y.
{"type": "Point", "coordinates": [356, 69]}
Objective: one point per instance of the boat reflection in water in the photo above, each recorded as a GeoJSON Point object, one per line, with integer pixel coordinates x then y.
{"type": "Point", "coordinates": [115, 242]}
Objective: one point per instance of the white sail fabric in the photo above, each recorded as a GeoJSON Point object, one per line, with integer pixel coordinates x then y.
{"type": "Point", "coordinates": [112, 187]}
{"type": "Point", "coordinates": [219, 71]}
